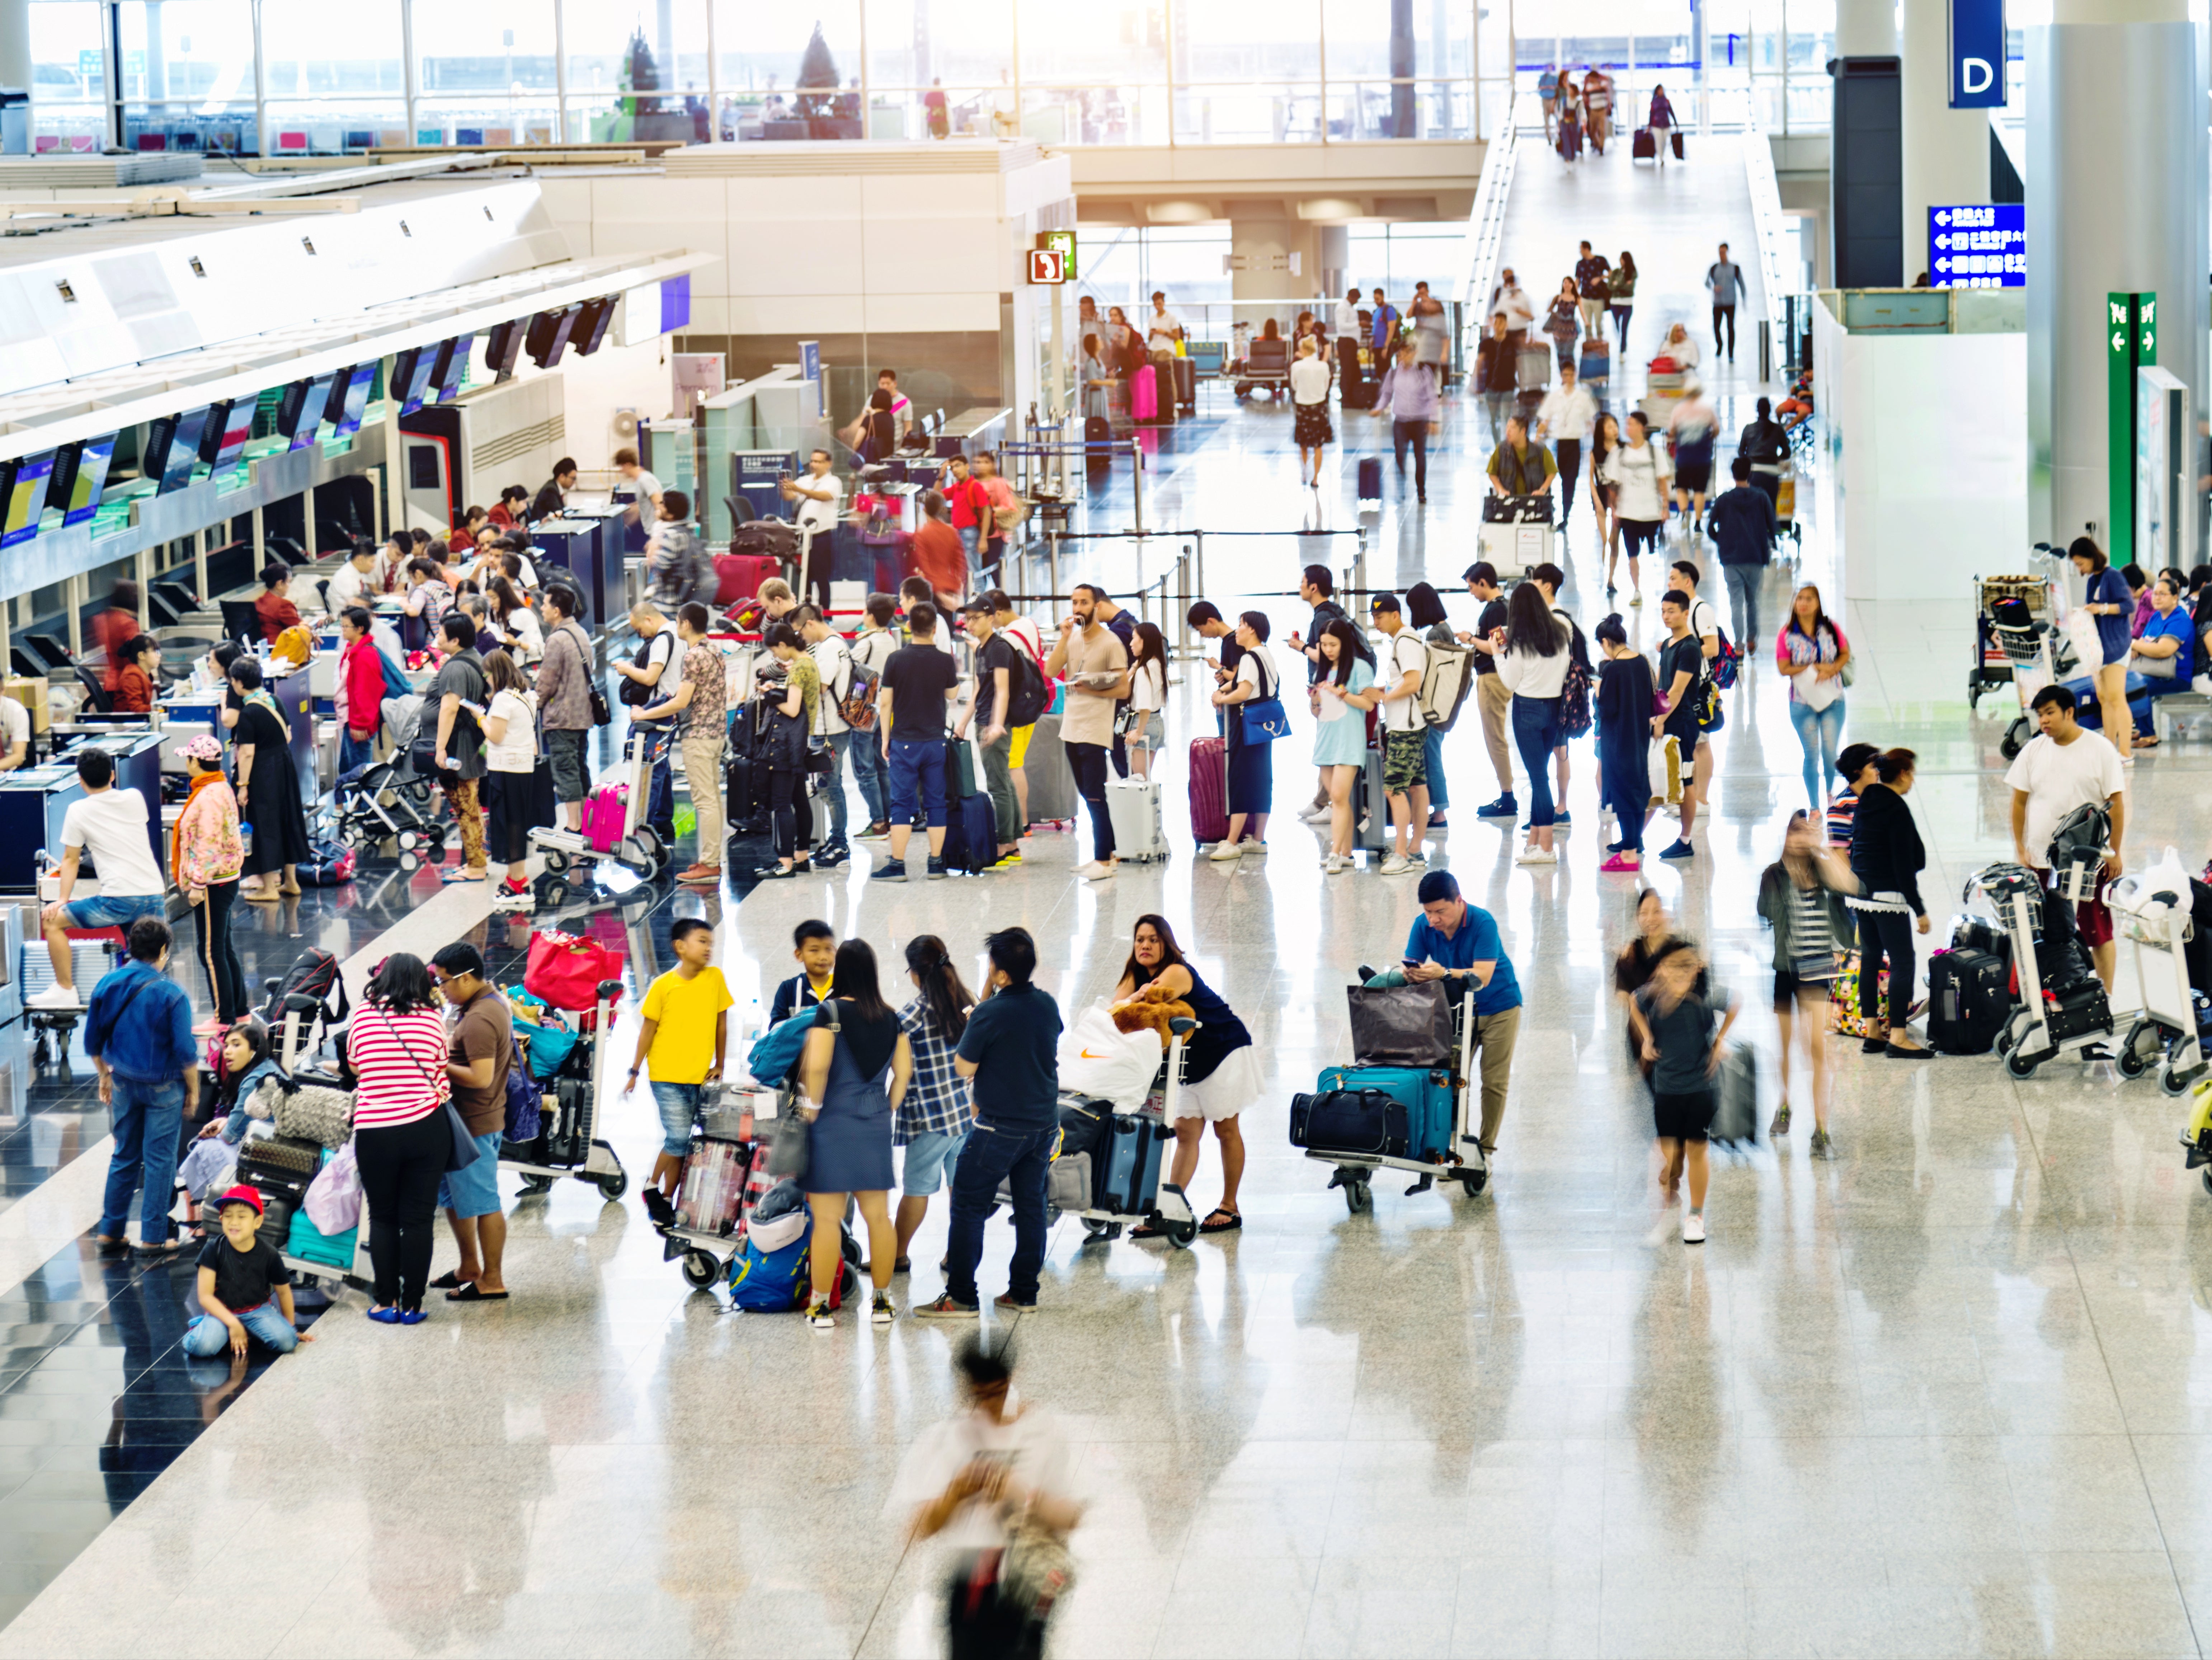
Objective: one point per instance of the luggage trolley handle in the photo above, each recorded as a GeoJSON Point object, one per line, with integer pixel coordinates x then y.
{"type": "Point", "coordinates": [607, 997]}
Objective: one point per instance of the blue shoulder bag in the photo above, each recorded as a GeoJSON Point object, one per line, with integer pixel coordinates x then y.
{"type": "Point", "coordinates": [1262, 720]}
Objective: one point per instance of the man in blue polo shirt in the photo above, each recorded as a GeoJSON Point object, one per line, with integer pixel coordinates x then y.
{"type": "Point", "coordinates": [1459, 944]}
{"type": "Point", "coordinates": [1010, 1055]}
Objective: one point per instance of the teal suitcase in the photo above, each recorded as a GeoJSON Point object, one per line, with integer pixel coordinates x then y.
{"type": "Point", "coordinates": [1427, 1097]}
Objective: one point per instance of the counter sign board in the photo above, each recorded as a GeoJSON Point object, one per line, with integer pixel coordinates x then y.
{"type": "Point", "coordinates": [1978, 246]}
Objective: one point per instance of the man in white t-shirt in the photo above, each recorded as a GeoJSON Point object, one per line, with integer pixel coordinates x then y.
{"type": "Point", "coordinates": [2064, 766]}
{"type": "Point", "coordinates": [1405, 661]}
{"type": "Point", "coordinates": [1567, 416]}
{"type": "Point", "coordinates": [834, 662]}
{"type": "Point", "coordinates": [646, 507]}
{"type": "Point", "coordinates": [818, 495]}
{"type": "Point", "coordinates": [111, 824]}
{"type": "Point", "coordinates": [1162, 329]}
{"type": "Point", "coordinates": [15, 734]}
{"type": "Point", "coordinates": [353, 582]}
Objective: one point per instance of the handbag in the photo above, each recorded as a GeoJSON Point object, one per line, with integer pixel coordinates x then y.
{"type": "Point", "coordinates": [1262, 720]}
{"type": "Point", "coordinates": [464, 1151]}
{"type": "Point", "coordinates": [789, 1142]}
{"type": "Point", "coordinates": [567, 970]}
{"type": "Point", "coordinates": [333, 1202]}
{"type": "Point", "coordinates": [1407, 1026]}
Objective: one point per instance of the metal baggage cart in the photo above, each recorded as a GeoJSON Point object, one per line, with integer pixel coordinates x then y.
{"type": "Point", "coordinates": [1170, 1209]}
{"type": "Point", "coordinates": [583, 1074]}
{"type": "Point", "coordinates": [705, 1253]}
{"type": "Point", "coordinates": [1995, 659]}
{"type": "Point", "coordinates": [1467, 1165]}
{"type": "Point", "coordinates": [2154, 914]}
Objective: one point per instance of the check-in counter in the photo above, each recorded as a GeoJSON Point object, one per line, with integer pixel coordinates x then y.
{"type": "Point", "coordinates": [33, 800]}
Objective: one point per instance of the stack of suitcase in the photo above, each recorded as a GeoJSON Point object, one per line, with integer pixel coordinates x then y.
{"type": "Point", "coordinates": [1401, 1106]}
{"type": "Point", "coordinates": [1108, 1160]}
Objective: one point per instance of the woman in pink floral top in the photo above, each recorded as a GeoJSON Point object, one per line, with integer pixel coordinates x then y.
{"type": "Point", "coordinates": [205, 856]}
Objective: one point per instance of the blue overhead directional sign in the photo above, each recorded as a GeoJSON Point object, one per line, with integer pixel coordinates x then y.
{"type": "Point", "coordinates": [1979, 246]}
{"type": "Point", "coordinates": [1978, 54]}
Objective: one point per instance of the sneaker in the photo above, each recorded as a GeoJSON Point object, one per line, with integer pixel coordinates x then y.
{"type": "Point", "coordinates": [657, 1206]}
{"type": "Point", "coordinates": [1439, 827]}
{"type": "Point", "coordinates": [1226, 853]}
{"type": "Point", "coordinates": [1822, 1147]}
{"type": "Point", "coordinates": [946, 1308]}
{"type": "Point", "coordinates": [1693, 1228]}
{"type": "Point", "coordinates": [880, 1312]}
{"type": "Point", "coordinates": [1778, 1126]}
{"type": "Point", "coordinates": [832, 854]}
{"type": "Point", "coordinates": [1503, 807]}
{"type": "Point", "coordinates": [937, 870]}
{"type": "Point", "coordinates": [1007, 1300]}
{"type": "Point", "coordinates": [1418, 856]}
{"type": "Point", "coordinates": [1620, 862]}
{"type": "Point", "coordinates": [54, 997]}
{"type": "Point", "coordinates": [207, 1028]}
{"type": "Point", "coordinates": [1333, 865]}
{"type": "Point", "coordinates": [1316, 815]}
{"type": "Point", "coordinates": [1610, 589]}
{"type": "Point", "coordinates": [1561, 819]}
{"type": "Point", "coordinates": [876, 832]}
{"type": "Point", "coordinates": [1535, 855]}
{"type": "Point", "coordinates": [1098, 869]}
{"type": "Point", "coordinates": [1396, 864]}
{"type": "Point", "coordinates": [1680, 850]}
{"type": "Point", "coordinates": [1636, 599]}
{"type": "Point", "coordinates": [889, 871]}
{"type": "Point", "coordinates": [1258, 849]}
{"type": "Point", "coordinates": [819, 1317]}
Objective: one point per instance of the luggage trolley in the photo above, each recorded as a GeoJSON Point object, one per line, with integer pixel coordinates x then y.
{"type": "Point", "coordinates": [2015, 630]}
{"type": "Point", "coordinates": [2042, 1024]}
{"type": "Point", "coordinates": [705, 1251]}
{"type": "Point", "coordinates": [2153, 913]}
{"type": "Point", "coordinates": [1470, 1168]}
{"type": "Point", "coordinates": [1072, 1189]}
{"type": "Point", "coordinates": [638, 848]}
{"type": "Point", "coordinates": [569, 1143]}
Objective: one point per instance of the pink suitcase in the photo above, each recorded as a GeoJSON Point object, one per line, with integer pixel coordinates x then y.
{"type": "Point", "coordinates": [604, 810]}
{"type": "Point", "coordinates": [1144, 394]}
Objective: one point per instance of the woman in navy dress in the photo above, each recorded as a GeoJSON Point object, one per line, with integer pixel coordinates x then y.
{"type": "Point", "coordinates": [853, 1073]}
{"type": "Point", "coordinates": [1221, 1072]}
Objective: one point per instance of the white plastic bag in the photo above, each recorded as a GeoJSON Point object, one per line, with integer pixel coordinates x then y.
{"type": "Point", "coordinates": [2088, 644]}
{"type": "Point", "coordinates": [1106, 1064]}
{"type": "Point", "coordinates": [334, 1202]}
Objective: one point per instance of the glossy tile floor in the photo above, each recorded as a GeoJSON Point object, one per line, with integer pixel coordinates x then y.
{"type": "Point", "coordinates": [1943, 1397]}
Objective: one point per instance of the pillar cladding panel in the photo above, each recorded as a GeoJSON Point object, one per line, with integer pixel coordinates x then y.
{"type": "Point", "coordinates": [2116, 203]}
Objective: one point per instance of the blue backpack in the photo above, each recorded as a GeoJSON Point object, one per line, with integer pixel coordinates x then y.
{"type": "Point", "coordinates": [771, 1282]}
{"type": "Point", "coordinates": [775, 1051]}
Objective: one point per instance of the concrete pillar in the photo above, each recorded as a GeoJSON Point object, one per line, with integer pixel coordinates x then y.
{"type": "Point", "coordinates": [1260, 240]}
{"type": "Point", "coordinates": [16, 43]}
{"type": "Point", "coordinates": [1947, 151]}
{"type": "Point", "coordinates": [2116, 203]}
{"type": "Point", "coordinates": [1866, 28]}
{"type": "Point", "coordinates": [1335, 260]}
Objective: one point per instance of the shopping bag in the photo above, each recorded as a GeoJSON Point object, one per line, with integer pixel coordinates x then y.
{"type": "Point", "coordinates": [1408, 1025]}
{"type": "Point", "coordinates": [1098, 1060]}
{"type": "Point", "coordinates": [2088, 644]}
{"type": "Point", "coordinates": [1665, 763]}
{"type": "Point", "coordinates": [566, 969]}
{"type": "Point", "coordinates": [1843, 997]}
{"type": "Point", "coordinates": [334, 1202]}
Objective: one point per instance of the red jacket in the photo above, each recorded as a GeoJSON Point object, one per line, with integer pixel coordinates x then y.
{"type": "Point", "coordinates": [362, 666]}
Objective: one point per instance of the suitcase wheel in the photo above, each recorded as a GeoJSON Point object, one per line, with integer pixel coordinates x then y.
{"type": "Point", "coordinates": [701, 1270]}
{"type": "Point", "coordinates": [1359, 1195]}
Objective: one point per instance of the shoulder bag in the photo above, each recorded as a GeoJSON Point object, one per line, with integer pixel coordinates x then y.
{"type": "Point", "coordinates": [787, 1148]}
{"type": "Point", "coordinates": [1262, 720]}
{"type": "Point", "coordinates": [464, 1151]}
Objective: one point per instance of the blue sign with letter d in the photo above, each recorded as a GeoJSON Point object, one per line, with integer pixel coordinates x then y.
{"type": "Point", "coordinates": [1978, 54]}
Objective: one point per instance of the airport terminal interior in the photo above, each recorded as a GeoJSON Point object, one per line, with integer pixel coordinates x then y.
{"type": "Point", "coordinates": [287, 296]}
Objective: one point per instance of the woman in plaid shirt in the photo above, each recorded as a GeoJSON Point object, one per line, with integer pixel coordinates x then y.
{"type": "Point", "coordinates": [932, 1122]}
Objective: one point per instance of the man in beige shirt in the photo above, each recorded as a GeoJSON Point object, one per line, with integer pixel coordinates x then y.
{"type": "Point", "coordinates": [1098, 671]}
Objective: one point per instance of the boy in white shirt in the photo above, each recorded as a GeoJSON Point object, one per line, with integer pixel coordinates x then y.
{"type": "Point", "coordinates": [1405, 733]}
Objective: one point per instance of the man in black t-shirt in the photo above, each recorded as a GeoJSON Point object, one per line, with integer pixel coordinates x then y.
{"type": "Point", "coordinates": [918, 680]}
{"type": "Point", "coordinates": [1490, 693]}
{"type": "Point", "coordinates": [998, 667]}
{"type": "Point", "coordinates": [1681, 683]}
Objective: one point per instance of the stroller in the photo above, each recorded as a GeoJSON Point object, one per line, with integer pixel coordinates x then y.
{"type": "Point", "coordinates": [389, 801]}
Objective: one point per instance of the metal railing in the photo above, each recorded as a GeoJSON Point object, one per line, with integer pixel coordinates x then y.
{"type": "Point", "coordinates": [1775, 235]}
{"type": "Point", "coordinates": [1485, 231]}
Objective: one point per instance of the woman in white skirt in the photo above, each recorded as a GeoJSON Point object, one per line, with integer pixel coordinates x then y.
{"type": "Point", "coordinates": [1221, 1069]}
{"type": "Point", "coordinates": [1310, 427]}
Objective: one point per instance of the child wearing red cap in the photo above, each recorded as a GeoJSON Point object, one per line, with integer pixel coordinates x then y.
{"type": "Point", "coordinates": [245, 1288]}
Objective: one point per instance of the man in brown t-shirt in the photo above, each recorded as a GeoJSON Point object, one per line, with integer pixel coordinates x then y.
{"type": "Point", "coordinates": [1097, 671]}
{"type": "Point", "coordinates": [480, 1055]}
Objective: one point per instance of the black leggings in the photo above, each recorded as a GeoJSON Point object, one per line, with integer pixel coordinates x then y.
{"type": "Point", "coordinates": [218, 956]}
{"type": "Point", "coordinates": [1088, 762]}
{"type": "Point", "coordinates": [1886, 933]}
{"type": "Point", "coordinates": [401, 1165]}
{"type": "Point", "coordinates": [793, 816]}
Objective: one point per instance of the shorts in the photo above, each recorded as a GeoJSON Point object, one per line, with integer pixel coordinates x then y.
{"type": "Point", "coordinates": [565, 750]}
{"type": "Point", "coordinates": [929, 1162]}
{"type": "Point", "coordinates": [917, 775]}
{"type": "Point", "coordinates": [1405, 761]}
{"type": "Point", "coordinates": [1152, 733]}
{"type": "Point", "coordinates": [120, 910]}
{"type": "Point", "coordinates": [1693, 477]}
{"type": "Point", "coordinates": [1018, 745]}
{"type": "Point", "coordinates": [474, 1191]}
{"type": "Point", "coordinates": [1682, 1117]}
{"type": "Point", "coordinates": [680, 1105]}
{"type": "Point", "coordinates": [1688, 740]}
{"type": "Point", "coordinates": [1791, 984]}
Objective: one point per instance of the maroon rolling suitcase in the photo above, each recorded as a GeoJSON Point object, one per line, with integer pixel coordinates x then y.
{"type": "Point", "coordinates": [1644, 147]}
{"type": "Point", "coordinates": [740, 575]}
{"type": "Point", "coordinates": [1209, 789]}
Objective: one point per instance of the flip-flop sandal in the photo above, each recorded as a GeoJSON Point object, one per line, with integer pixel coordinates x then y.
{"type": "Point", "coordinates": [449, 1281]}
{"type": "Point", "coordinates": [1210, 1225]}
{"type": "Point", "coordinates": [472, 1293]}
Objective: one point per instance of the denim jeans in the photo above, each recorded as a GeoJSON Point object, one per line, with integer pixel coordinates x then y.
{"type": "Point", "coordinates": [1433, 757]}
{"type": "Point", "coordinates": [990, 1156]}
{"type": "Point", "coordinates": [1536, 734]}
{"type": "Point", "coordinates": [148, 1118]}
{"type": "Point", "coordinates": [874, 772]}
{"type": "Point", "coordinates": [660, 799]}
{"type": "Point", "coordinates": [1088, 762]}
{"type": "Point", "coordinates": [1415, 433]}
{"type": "Point", "coordinates": [1820, 732]}
{"type": "Point", "coordinates": [208, 1336]}
{"type": "Point", "coordinates": [834, 786]}
{"type": "Point", "coordinates": [355, 751]}
{"type": "Point", "coordinates": [1743, 582]}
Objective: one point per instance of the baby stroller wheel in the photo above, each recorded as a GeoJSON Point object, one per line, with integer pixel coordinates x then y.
{"type": "Point", "coordinates": [409, 841]}
{"type": "Point", "coordinates": [701, 1270]}
{"type": "Point", "coordinates": [410, 862]}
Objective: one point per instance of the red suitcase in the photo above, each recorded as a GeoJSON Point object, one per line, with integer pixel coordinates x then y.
{"type": "Point", "coordinates": [741, 575]}
{"type": "Point", "coordinates": [1209, 789]}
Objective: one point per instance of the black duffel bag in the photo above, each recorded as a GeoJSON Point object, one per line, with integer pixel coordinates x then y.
{"type": "Point", "coordinates": [1369, 1121]}
{"type": "Point", "coordinates": [1407, 1026]}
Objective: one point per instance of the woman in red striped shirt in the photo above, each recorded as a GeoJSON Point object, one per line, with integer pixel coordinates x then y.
{"type": "Point", "coordinates": [397, 1044]}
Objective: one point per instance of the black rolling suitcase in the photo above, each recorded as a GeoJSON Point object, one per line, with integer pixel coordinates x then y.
{"type": "Point", "coordinates": [1097, 441]}
{"type": "Point", "coordinates": [1967, 1002]}
{"type": "Point", "coordinates": [1370, 479]}
{"type": "Point", "coordinates": [1675, 139]}
{"type": "Point", "coordinates": [1644, 147]}
{"type": "Point", "coordinates": [1186, 384]}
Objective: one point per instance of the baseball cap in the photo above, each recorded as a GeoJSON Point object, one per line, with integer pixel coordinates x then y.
{"type": "Point", "coordinates": [981, 605]}
{"type": "Point", "coordinates": [1382, 602]}
{"type": "Point", "coordinates": [240, 1195]}
{"type": "Point", "coordinates": [202, 748]}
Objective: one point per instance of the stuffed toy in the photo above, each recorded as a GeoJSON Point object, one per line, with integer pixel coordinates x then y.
{"type": "Point", "coordinates": [1146, 1014]}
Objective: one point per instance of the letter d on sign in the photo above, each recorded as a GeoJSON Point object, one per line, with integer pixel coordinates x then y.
{"type": "Point", "coordinates": [1975, 74]}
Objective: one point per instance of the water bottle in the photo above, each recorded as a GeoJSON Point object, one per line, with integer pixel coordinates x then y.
{"type": "Point", "coordinates": [245, 837]}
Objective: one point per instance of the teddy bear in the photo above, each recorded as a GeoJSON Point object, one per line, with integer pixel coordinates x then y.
{"type": "Point", "coordinates": [1149, 1014]}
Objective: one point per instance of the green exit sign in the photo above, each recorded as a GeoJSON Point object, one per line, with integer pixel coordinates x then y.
{"type": "Point", "coordinates": [1062, 242]}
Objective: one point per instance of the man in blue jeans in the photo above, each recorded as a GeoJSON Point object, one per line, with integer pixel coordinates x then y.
{"type": "Point", "coordinates": [138, 1032]}
{"type": "Point", "coordinates": [918, 681]}
{"type": "Point", "coordinates": [1009, 1055]}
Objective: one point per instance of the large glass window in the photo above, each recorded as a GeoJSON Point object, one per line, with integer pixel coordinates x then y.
{"type": "Point", "coordinates": [67, 75]}
{"type": "Point", "coordinates": [636, 71]}
{"type": "Point", "coordinates": [187, 75]}
{"type": "Point", "coordinates": [764, 56]}
{"type": "Point", "coordinates": [486, 73]}
{"type": "Point", "coordinates": [333, 92]}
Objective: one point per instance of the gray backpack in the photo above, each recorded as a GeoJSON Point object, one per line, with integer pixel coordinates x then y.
{"type": "Point", "coordinates": [686, 572]}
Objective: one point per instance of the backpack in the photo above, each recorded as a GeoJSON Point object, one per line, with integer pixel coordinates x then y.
{"type": "Point", "coordinates": [1722, 674]}
{"type": "Point", "coordinates": [306, 992]}
{"type": "Point", "coordinates": [857, 708]}
{"type": "Point", "coordinates": [1026, 692]}
{"type": "Point", "coordinates": [1575, 690]}
{"type": "Point", "coordinates": [1444, 682]}
{"type": "Point", "coordinates": [635, 693]}
{"type": "Point", "coordinates": [775, 1051]}
{"type": "Point", "coordinates": [777, 1281]}
{"type": "Point", "coordinates": [687, 572]}
{"type": "Point", "coordinates": [332, 865]}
